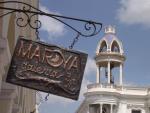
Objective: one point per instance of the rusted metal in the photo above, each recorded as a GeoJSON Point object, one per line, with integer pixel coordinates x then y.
{"type": "Point", "coordinates": [47, 68]}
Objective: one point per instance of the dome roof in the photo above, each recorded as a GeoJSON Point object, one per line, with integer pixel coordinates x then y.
{"type": "Point", "coordinates": [110, 42]}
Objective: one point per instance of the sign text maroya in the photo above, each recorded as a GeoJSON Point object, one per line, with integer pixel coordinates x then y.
{"type": "Point", "coordinates": [48, 68]}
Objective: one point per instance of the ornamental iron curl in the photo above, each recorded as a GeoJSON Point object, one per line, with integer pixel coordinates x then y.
{"type": "Point", "coordinates": [91, 28]}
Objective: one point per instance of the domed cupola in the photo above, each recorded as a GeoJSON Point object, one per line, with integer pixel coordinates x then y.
{"type": "Point", "coordinates": [110, 43]}
{"type": "Point", "coordinates": [109, 54]}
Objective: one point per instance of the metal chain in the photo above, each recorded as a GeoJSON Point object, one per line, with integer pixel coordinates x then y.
{"type": "Point", "coordinates": [41, 98]}
{"type": "Point", "coordinates": [74, 41]}
{"type": "Point", "coordinates": [37, 34]}
{"type": "Point", "coordinates": [46, 97]}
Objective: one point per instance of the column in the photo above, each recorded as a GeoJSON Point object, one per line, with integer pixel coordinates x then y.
{"type": "Point", "coordinates": [7, 96]}
{"type": "Point", "coordinates": [121, 73]}
{"type": "Point", "coordinates": [111, 108]}
{"type": "Point", "coordinates": [108, 72]}
{"type": "Point", "coordinates": [101, 108]}
{"type": "Point", "coordinates": [98, 75]}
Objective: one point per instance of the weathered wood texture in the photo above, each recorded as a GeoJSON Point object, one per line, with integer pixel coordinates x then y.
{"type": "Point", "coordinates": [47, 68]}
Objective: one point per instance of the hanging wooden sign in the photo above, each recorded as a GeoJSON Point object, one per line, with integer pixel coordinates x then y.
{"type": "Point", "coordinates": [47, 68]}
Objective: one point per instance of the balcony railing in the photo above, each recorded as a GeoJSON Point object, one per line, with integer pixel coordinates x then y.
{"type": "Point", "coordinates": [96, 85]}
{"type": "Point", "coordinates": [120, 89]}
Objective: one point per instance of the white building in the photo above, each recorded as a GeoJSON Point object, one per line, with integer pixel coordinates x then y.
{"type": "Point", "coordinates": [110, 96]}
{"type": "Point", "coordinates": [13, 98]}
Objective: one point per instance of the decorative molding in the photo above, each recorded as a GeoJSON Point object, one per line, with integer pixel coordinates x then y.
{"type": "Point", "coordinates": [135, 106]}
{"type": "Point", "coordinates": [16, 108]}
{"type": "Point", "coordinates": [109, 56]}
{"type": "Point", "coordinates": [8, 91]}
{"type": "Point", "coordinates": [3, 44]}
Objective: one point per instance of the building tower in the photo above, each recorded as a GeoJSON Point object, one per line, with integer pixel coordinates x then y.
{"type": "Point", "coordinates": [109, 55]}
{"type": "Point", "coordinates": [110, 96]}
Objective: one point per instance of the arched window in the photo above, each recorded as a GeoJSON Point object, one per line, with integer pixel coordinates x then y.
{"type": "Point", "coordinates": [103, 47]}
{"type": "Point", "coordinates": [115, 47]}
{"type": "Point", "coordinates": [136, 111]}
{"type": "Point", "coordinates": [104, 110]}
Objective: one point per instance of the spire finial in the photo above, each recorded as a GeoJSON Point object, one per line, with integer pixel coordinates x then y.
{"type": "Point", "coordinates": [110, 29]}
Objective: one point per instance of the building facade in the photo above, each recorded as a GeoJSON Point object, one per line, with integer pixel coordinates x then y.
{"type": "Point", "coordinates": [13, 98]}
{"type": "Point", "coordinates": [110, 95]}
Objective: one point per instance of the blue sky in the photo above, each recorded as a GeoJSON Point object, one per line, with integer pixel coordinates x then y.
{"type": "Point", "coordinates": [132, 21]}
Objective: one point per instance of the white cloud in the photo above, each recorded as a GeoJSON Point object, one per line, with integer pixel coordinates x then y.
{"type": "Point", "coordinates": [51, 26]}
{"type": "Point", "coordinates": [85, 82]}
{"type": "Point", "coordinates": [90, 68]}
{"type": "Point", "coordinates": [134, 12]}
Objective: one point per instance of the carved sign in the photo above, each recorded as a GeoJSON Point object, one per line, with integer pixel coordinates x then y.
{"type": "Point", "coordinates": [47, 68]}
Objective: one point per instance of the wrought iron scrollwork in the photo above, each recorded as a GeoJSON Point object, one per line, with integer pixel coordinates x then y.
{"type": "Point", "coordinates": [30, 18]}
{"type": "Point", "coordinates": [90, 28]}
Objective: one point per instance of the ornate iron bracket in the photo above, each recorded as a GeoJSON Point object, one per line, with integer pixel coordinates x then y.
{"type": "Point", "coordinates": [90, 28]}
